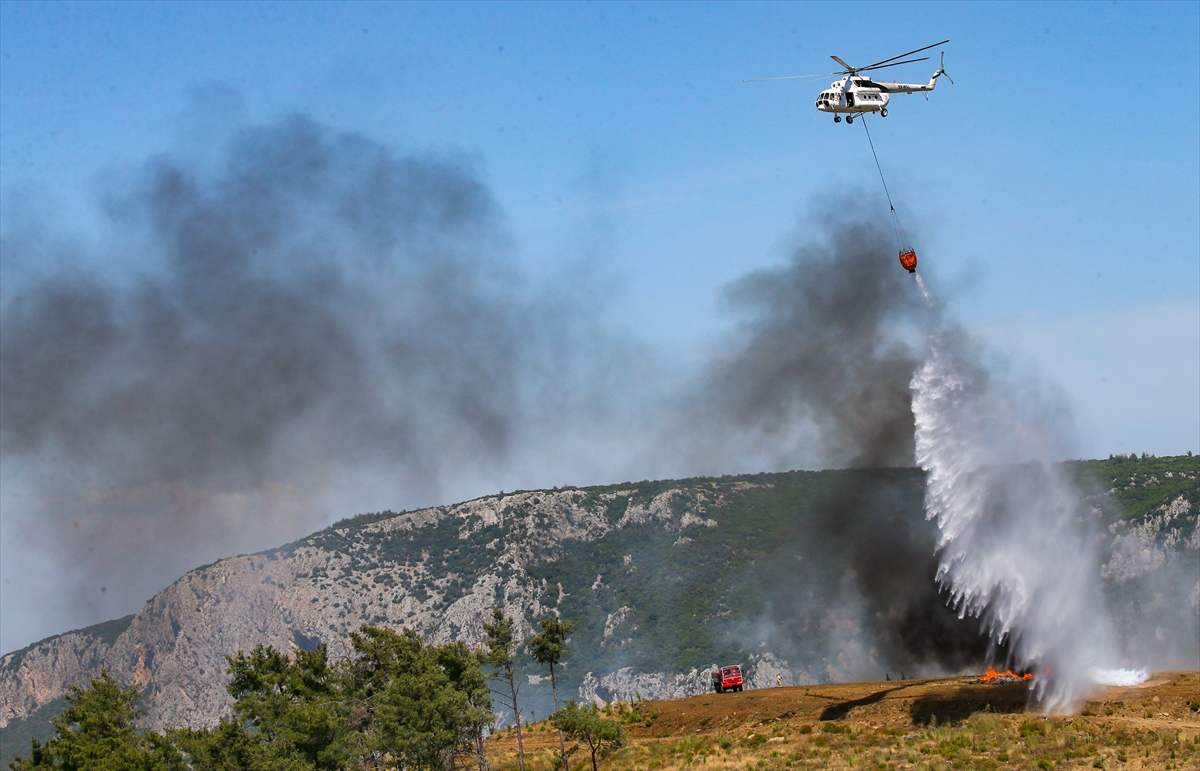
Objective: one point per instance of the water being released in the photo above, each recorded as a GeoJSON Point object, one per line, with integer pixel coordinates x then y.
{"type": "Point", "coordinates": [924, 291]}
{"type": "Point", "coordinates": [1014, 550]}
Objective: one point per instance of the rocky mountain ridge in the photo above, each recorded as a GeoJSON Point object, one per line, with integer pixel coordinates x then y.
{"type": "Point", "coordinates": [325, 586]}
{"type": "Point", "coordinates": [663, 578]}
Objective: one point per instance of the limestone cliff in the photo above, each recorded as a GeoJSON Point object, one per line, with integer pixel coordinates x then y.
{"type": "Point", "coordinates": [437, 570]}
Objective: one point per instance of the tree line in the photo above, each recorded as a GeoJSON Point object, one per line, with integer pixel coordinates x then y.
{"type": "Point", "coordinates": [395, 704]}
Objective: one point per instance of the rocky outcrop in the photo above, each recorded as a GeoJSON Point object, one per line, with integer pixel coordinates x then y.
{"type": "Point", "coordinates": [760, 671]}
{"type": "Point", "coordinates": [42, 672]}
{"type": "Point", "coordinates": [1147, 545]}
{"type": "Point", "coordinates": [627, 685]}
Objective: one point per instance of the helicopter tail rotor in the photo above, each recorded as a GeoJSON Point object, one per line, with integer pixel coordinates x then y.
{"type": "Point", "coordinates": [942, 70]}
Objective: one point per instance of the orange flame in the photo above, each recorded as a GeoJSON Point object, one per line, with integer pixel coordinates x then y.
{"type": "Point", "coordinates": [1005, 676]}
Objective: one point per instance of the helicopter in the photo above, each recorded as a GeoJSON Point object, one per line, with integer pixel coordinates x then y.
{"type": "Point", "coordinates": [857, 94]}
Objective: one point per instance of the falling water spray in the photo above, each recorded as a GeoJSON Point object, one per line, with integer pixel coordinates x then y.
{"type": "Point", "coordinates": [1015, 547]}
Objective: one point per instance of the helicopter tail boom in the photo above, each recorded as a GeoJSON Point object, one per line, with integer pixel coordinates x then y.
{"type": "Point", "coordinates": [911, 88]}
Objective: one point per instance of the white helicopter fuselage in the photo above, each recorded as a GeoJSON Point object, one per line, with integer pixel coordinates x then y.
{"type": "Point", "coordinates": [855, 95]}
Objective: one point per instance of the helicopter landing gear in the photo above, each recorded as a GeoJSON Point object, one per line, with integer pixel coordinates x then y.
{"type": "Point", "coordinates": [837, 118]}
{"type": "Point", "coordinates": [883, 113]}
{"type": "Point", "coordinates": [849, 118]}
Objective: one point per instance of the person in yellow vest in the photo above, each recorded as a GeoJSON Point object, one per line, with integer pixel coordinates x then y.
{"type": "Point", "coordinates": [778, 680]}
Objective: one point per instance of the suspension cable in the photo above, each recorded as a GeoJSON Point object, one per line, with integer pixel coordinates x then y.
{"type": "Point", "coordinates": [895, 219]}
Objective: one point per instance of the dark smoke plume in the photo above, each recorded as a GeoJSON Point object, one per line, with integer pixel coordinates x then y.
{"type": "Point", "coordinates": [317, 284]}
{"type": "Point", "coordinates": [818, 375]}
{"type": "Point", "coordinates": [892, 555]}
{"type": "Point", "coordinates": [316, 311]}
{"type": "Point", "coordinates": [829, 344]}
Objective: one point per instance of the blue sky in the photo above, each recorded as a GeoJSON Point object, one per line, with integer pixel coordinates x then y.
{"type": "Point", "coordinates": [1054, 188]}
{"type": "Point", "coordinates": [1056, 185]}
{"type": "Point", "coordinates": [1056, 182]}
{"type": "Point", "coordinates": [1068, 147]}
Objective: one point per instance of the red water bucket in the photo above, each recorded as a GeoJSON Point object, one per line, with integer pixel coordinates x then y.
{"type": "Point", "coordinates": [909, 260]}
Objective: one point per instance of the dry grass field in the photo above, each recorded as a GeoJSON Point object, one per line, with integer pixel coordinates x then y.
{"type": "Point", "coordinates": [931, 725]}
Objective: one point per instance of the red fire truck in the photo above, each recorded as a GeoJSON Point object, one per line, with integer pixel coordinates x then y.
{"type": "Point", "coordinates": [727, 679]}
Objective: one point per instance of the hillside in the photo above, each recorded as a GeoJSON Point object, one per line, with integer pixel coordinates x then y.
{"type": "Point", "coordinates": [815, 576]}
{"type": "Point", "coordinates": [940, 723]}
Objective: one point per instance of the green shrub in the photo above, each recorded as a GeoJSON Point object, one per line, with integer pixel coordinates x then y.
{"type": "Point", "coordinates": [689, 744]}
{"type": "Point", "coordinates": [1031, 728]}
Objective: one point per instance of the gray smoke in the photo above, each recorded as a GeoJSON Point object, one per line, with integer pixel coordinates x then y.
{"type": "Point", "coordinates": [318, 325]}
{"type": "Point", "coordinates": [317, 287]}
{"type": "Point", "coordinates": [819, 376]}
{"type": "Point", "coordinates": [818, 373]}
{"type": "Point", "coordinates": [317, 322]}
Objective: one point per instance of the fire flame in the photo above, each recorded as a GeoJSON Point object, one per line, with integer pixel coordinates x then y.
{"type": "Point", "coordinates": [1007, 675]}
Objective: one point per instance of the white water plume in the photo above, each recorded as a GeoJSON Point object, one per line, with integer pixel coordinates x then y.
{"type": "Point", "coordinates": [1119, 677]}
{"type": "Point", "coordinates": [924, 292]}
{"type": "Point", "coordinates": [1014, 546]}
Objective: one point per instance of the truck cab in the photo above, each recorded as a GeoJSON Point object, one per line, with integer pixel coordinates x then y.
{"type": "Point", "coordinates": [727, 679]}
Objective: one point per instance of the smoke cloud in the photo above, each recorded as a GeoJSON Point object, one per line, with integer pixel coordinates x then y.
{"type": "Point", "coordinates": [317, 324]}
{"type": "Point", "coordinates": [817, 374]}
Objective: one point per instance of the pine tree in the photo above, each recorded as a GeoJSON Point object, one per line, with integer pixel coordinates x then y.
{"type": "Point", "coordinates": [96, 732]}
{"type": "Point", "coordinates": [502, 656]}
{"type": "Point", "coordinates": [548, 647]}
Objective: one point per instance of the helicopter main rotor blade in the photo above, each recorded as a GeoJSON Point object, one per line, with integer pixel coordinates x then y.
{"type": "Point", "coordinates": [794, 77]}
{"type": "Point", "coordinates": [901, 56]}
{"type": "Point", "coordinates": [839, 61]}
{"type": "Point", "coordinates": [893, 64]}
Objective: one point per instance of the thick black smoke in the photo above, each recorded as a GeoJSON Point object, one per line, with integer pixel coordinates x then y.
{"type": "Point", "coordinates": [878, 533]}
{"type": "Point", "coordinates": [818, 374]}
{"type": "Point", "coordinates": [829, 344]}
